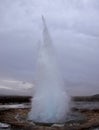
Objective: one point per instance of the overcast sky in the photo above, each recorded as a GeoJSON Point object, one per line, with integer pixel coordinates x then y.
{"type": "Point", "coordinates": [74, 27]}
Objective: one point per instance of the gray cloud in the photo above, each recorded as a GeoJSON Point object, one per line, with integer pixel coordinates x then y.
{"type": "Point", "coordinates": [74, 27]}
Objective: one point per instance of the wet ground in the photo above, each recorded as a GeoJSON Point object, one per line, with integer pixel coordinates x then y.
{"type": "Point", "coordinates": [84, 115]}
{"type": "Point", "coordinates": [86, 105]}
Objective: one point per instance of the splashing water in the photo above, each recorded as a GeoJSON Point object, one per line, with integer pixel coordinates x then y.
{"type": "Point", "coordinates": [50, 102]}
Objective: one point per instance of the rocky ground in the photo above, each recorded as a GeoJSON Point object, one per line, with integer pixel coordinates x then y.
{"type": "Point", "coordinates": [84, 115]}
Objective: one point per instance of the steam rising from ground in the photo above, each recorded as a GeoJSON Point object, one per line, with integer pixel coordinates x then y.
{"type": "Point", "coordinates": [50, 103]}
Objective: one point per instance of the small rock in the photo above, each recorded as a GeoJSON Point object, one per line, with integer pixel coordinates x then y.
{"type": "Point", "coordinates": [4, 126]}
{"type": "Point", "coordinates": [32, 123]}
{"type": "Point", "coordinates": [57, 125]}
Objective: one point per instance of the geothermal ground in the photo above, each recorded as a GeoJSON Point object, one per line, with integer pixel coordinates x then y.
{"type": "Point", "coordinates": [84, 114]}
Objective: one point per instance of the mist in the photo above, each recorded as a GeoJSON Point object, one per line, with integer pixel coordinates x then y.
{"type": "Point", "coordinates": [50, 102]}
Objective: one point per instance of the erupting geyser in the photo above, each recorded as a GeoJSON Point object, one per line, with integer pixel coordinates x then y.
{"type": "Point", "coordinates": [50, 102]}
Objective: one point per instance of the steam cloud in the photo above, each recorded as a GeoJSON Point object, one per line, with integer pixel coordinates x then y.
{"type": "Point", "coordinates": [50, 102]}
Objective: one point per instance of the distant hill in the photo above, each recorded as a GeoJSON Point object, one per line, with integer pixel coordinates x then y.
{"type": "Point", "coordinates": [86, 98]}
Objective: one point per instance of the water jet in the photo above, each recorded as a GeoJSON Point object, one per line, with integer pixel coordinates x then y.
{"type": "Point", "coordinates": [50, 102]}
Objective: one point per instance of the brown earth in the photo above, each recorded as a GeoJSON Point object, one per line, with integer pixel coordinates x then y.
{"type": "Point", "coordinates": [17, 119]}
